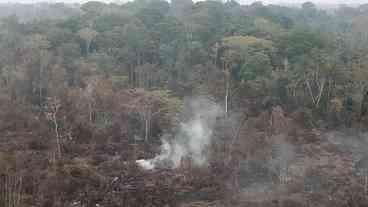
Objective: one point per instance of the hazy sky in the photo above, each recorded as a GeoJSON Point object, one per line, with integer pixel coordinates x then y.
{"type": "Point", "coordinates": [242, 1]}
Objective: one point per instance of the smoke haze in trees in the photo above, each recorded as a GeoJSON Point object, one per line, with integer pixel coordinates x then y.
{"type": "Point", "coordinates": [192, 137]}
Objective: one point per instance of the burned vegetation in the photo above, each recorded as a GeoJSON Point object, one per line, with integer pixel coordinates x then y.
{"type": "Point", "coordinates": [183, 104]}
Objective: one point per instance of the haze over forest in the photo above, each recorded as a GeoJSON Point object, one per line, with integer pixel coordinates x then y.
{"type": "Point", "coordinates": [241, 1]}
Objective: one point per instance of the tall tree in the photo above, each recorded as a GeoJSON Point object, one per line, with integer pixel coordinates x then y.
{"type": "Point", "coordinates": [88, 35]}
{"type": "Point", "coordinates": [41, 45]}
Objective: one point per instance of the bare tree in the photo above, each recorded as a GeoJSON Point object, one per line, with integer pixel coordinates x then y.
{"type": "Point", "coordinates": [10, 190]}
{"type": "Point", "coordinates": [52, 111]}
{"type": "Point", "coordinates": [40, 44]}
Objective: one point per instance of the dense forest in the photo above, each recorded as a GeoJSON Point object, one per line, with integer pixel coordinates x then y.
{"type": "Point", "coordinates": [184, 104]}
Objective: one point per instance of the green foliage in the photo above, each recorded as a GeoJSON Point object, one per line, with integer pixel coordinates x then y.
{"type": "Point", "coordinates": [153, 13]}
{"type": "Point", "coordinates": [105, 64]}
{"type": "Point", "coordinates": [246, 42]}
{"type": "Point", "coordinates": [109, 21]}
{"type": "Point", "coordinates": [301, 41]}
{"type": "Point", "coordinates": [93, 8]}
{"type": "Point", "coordinates": [267, 28]}
{"type": "Point", "coordinates": [258, 64]}
{"type": "Point", "coordinates": [110, 73]}
{"type": "Point", "coordinates": [74, 24]}
{"type": "Point", "coordinates": [185, 46]}
{"type": "Point", "coordinates": [120, 81]}
{"type": "Point", "coordinates": [169, 30]}
{"type": "Point", "coordinates": [254, 53]}
{"type": "Point", "coordinates": [135, 34]}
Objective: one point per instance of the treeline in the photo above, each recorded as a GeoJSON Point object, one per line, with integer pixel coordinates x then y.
{"type": "Point", "coordinates": [302, 58]}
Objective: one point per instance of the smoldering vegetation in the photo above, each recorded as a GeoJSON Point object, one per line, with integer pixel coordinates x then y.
{"type": "Point", "coordinates": [152, 103]}
{"type": "Point", "coordinates": [192, 138]}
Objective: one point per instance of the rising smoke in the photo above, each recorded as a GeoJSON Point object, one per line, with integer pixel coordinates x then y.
{"type": "Point", "coordinates": [192, 137]}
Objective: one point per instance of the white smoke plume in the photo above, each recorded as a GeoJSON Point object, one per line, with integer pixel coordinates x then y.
{"type": "Point", "coordinates": [191, 139]}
